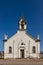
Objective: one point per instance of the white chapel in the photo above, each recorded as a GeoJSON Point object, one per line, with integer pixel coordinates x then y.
{"type": "Point", "coordinates": [21, 44]}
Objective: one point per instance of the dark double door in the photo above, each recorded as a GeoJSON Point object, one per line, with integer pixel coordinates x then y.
{"type": "Point", "coordinates": [22, 53]}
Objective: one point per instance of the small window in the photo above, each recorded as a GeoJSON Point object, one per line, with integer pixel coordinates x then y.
{"type": "Point", "coordinates": [34, 49]}
{"type": "Point", "coordinates": [10, 49]}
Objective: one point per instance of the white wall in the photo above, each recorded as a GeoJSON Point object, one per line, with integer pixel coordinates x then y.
{"type": "Point", "coordinates": [15, 42]}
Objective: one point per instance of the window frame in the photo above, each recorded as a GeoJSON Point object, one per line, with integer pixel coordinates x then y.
{"type": "Point", "coordinates": [33, 49]}
{"type": "Point", "coordinates": [10, 50]}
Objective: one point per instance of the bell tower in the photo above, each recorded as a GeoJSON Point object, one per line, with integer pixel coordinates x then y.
{"type": "Point", "coordinates": [22, 24]}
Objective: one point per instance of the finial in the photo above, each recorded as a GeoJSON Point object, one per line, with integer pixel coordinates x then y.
{"type": "Point", "coordinates": [22, 15]}
{"type": "Point", "coordinates": [38, 36]}
{"type": "Point", "coordinates": [5, 37]}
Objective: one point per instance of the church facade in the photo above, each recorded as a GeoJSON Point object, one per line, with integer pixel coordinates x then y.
{"type": "Point", "coordinates": [22, 44]}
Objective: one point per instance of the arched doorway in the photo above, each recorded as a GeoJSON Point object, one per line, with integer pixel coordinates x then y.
{"type": "Point", "coordinates": [22, 53]}
{"type": "Point", "coordinates": [22, 50]}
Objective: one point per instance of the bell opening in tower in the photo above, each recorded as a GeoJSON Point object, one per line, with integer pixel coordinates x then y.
{"type": "Point", "coordinates": [22, 24]}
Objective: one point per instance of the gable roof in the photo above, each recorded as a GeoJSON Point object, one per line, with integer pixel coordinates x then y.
{"type": "Point", "coordinates": [26, 34]}
{"type": "Point", "coordinates": [31, 36]}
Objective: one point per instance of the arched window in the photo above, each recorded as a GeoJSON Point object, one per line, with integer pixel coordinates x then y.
{"type": "Point", "coordinates": [34, 49]}
{"type": "Point", "coordinates": [10, 49]}
{"type": "Point", "coordinates": [22, 44]}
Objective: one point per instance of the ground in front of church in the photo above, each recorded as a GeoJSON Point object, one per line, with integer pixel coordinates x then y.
{"type": "Point", "coordinates": [21, 61]}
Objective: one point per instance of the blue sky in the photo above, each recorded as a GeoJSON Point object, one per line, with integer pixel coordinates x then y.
{"type": "Point", "coordinates": [10, 13]}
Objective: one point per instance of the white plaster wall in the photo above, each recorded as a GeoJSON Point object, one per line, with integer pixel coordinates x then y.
{"type": "Point", "coordinates": [15, 41]}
